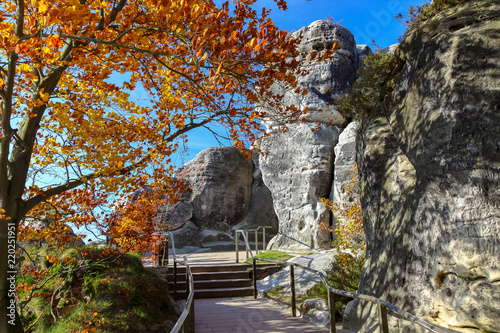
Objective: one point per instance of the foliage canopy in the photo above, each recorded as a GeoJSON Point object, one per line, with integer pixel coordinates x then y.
{"type": "Point", "coordinates": [72, 132]}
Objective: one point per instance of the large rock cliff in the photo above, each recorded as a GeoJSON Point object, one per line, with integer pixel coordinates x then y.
{"type": "Point", "coordinates": [430, 176]}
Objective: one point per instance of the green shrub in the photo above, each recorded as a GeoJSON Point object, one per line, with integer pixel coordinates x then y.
{"type": "Point", "coordinates": [345, 277]}
{"type": "Point", "coordinates": [375, 81]}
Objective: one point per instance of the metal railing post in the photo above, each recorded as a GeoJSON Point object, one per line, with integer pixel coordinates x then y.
{"type": "Point", "coordinates": [264, 239]}
{"type": "Point", "coordinates": [236, 245]}
{"type": "Point", "coordinates": [256, 241]}
{"type": "Point", "coordinates": [254, 277]}
{"type": "Point", "coordinates": [292, 289]}
{"type": "Point", "coordinates": [382, 316]}
{"type": "Point", "coordinates": [331, 306]}
{"type": "Point", "coordinates": [175, 280]}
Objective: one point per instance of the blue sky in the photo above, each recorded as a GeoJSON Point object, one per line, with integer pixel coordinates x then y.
{"type": "Point", "coordinates": [367, 19]}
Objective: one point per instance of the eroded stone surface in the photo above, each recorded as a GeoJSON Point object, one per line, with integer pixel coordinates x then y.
{"type": "Point", "coordinates": [304, 280]}
{"type": "Point", "coordinates": [298, 171]}
{"type": "Point", "coordinates": [431, 178]}
{"type": "Point", "coordinates": [325, 80]}
{"type": "Point", "coordinates": [221, 180]}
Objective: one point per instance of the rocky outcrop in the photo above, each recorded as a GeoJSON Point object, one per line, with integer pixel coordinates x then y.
{"type": "Point", "coordinates": [304, 279]}
{"type": "Point", "coordinates": [345, 160]}
{"type": "Point", "coordinates": [220, 180]}
{"type": "Point", "coordinates": [298, 171]}
{"type": "Point", "coordinates": [325, 80]}
{"type": "Point", "coordinates": [224, 191]}
{"type": "Point", "coordinates": [430, 175]}
{"type": "Point", "coordinates": [298, 166]}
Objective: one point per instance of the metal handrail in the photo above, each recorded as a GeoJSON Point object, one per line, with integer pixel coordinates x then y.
{"type": "Point", "coordinates": [245, 232]}
{"type": "Point", "coordinates": [296, 240]}
{"type": "Point", "coordinates": [382, 305]}
{"type": "Point", "coordinates": [185, 323]}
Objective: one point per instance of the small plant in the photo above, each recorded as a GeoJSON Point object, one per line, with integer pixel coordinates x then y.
{"type": "Point", "coordinates": [419, 14]}
{"type": "Point", "coordinates": [349, 229]}
{"type": "Point", "coordinates": [345, 277]}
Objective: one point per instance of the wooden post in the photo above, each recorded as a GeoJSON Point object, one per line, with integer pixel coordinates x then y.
{"type": "Point", "coordinates": [254, 277]}
{"type": "Point", "coordinates": [187, 283]}
{"type": "Point", "coordinates": [292, 287]}
{"type": "Point", "coordinates": [331, 305]}
{"type": "Point", "coordinates": [175, 280]}
{"type": "Point", "coordinates": [382, 316]}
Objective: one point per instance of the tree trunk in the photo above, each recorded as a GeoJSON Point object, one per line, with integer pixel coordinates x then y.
{"type": "Point", "coordinates": [9, 318]}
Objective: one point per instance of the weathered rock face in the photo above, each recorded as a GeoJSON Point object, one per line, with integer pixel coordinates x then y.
{"type": "Point", "coordinates": [345, 159]}
{"type": "Point", "coordinates": [430, 172]}
{"type": "Point", "coordinates": [221, 180]}
{"type": "Point", "coordinates": [260, 211]}
{"type": "Point", "coordinates": [298, 171]}
{"type": "Point", "coordinates": [325, 80]}
{"type": "Point", "coordinates": [298, 168]}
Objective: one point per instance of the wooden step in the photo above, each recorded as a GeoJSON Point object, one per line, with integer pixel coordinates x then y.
{"type": "Point", "coordinates": [212, 281]}
{"type": "Point", "coordinates": [218, 268]}
{"type": "Point", "coordinates": [217, 293]}
{"type": "Point", "coordinates": [214, 284]}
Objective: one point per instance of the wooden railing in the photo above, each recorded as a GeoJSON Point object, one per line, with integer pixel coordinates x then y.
{"type": "Point", "coordinates": [185, 323]}
{"type": "Point", "coordinates": [382, 305]}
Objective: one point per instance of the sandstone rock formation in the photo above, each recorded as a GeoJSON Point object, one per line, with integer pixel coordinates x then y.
{"type": "Point", "coordinates": [430, 171]}
{"type": "Point", "coordinates": [298, 167]}
{"type": "Point", "coordinates": [224, 192]}
{"type": "Point", "coordinates": [221, 180]}
{"type": "Point", "coordinates": [298, 171]}
{"type": "Point", "coordinates": [325, 80]}
{"type": "Point", "coordinates": [345, 159]}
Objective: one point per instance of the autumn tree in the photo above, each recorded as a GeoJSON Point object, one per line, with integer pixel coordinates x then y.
{"type": "Point", "coordinates": [71, 134]}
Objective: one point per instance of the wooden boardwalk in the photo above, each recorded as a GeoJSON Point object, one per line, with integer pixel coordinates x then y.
{"type": "Point", "coordinates": [243, 314]}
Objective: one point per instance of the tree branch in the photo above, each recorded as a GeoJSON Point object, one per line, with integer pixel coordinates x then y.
{"type": "Point", "coordinates": [31, 203]}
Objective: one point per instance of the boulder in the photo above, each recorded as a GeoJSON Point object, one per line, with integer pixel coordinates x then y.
{"type": "Point", "coordinates": [430, 175]}
{"type": "Point", "coordinates": [304, 280]}
{"type": "Point", "coordinates": [174, 216]}
{"type": "Point", "coordinates": [297, 168]}
{"type": "Point", "coordinates": [324, 80]}
{"type": "Point", "coordinates": [316, 311]}
{"type": "Point", "coordinates": [187, 235]}
{"type": "Point", "coordinates": [221, 182]}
